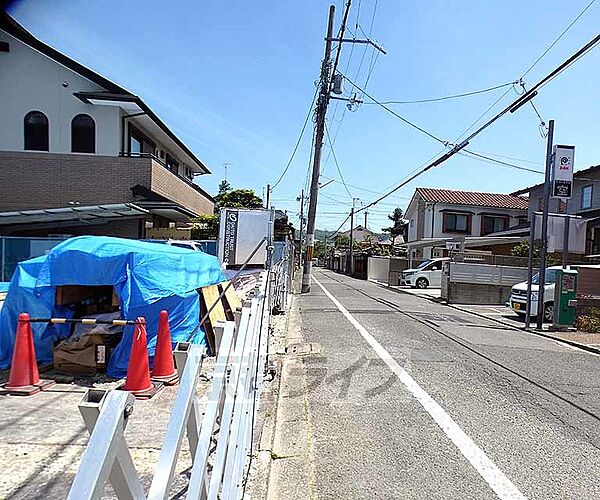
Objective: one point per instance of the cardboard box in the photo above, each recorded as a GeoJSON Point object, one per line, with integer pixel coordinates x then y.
{"type": "Point", "coordinates": [87, 354]}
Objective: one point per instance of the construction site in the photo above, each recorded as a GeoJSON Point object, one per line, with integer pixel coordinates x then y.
{"type": "Point", "coordinates": [135, 370]}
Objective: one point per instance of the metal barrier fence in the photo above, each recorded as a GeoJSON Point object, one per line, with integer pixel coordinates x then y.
{"type": "Point", "coordinates": [220, 441]}
{"type": "Point", "coordinates": [282, 280]}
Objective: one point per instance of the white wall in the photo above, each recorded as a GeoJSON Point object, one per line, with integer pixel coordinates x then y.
{"type": "Point", "coordinates": [31, 81]}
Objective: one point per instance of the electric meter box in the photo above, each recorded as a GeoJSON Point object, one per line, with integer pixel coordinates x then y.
{"type": "Point", "coordinates": [565, 298]}
{"type": "Point", "coordinates": [240, 231]}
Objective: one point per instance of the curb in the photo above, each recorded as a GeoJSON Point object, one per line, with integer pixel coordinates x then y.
{"type": "Point", "coordinates": [572, 343]}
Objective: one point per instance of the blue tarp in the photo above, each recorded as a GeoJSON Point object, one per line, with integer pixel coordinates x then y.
{"type": "Point", "coordinates": [146, 277]}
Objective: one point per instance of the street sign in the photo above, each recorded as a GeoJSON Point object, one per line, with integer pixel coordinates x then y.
{"type": "Point", "coordinates": [562, 171]}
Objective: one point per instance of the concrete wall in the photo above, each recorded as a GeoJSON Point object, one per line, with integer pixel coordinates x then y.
{"type": "Point", "coordinates": [479, 283]}
{"type": "Point", "coordinates": [476, 293]}
{"type": "Point", "coordinates": [378, 269]}
{"type": "Point", "coordinates": [31, 81]}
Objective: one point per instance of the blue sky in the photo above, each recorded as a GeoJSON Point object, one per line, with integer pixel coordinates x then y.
{"type": "Point", "coordinates": [235, 80]}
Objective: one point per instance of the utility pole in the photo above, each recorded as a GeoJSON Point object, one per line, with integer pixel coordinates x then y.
{"type": "Point", "coordinates": [352, 237]}
{"type": "Point", "coordinates": [301, 216]}
{"type": "Point", "coordinates": [366, 219]}
{"type": "Point", "coordinates": [542, 275]}
{"type": "Point", "coordinates": [268, 196]}
{"type": "Point", "coordinates": [322, 104]}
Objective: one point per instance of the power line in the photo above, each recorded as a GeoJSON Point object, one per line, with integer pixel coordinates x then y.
{"type": "Point", "coordinates": [337, 165]}
{"type": "Point", "coordinates": [559, 37]}
{"type": "Point", "coordinates": [527, 70]}
{"type": "Point", "coordinates": [467, 152]}
{"type": "Point", "coordinates": [391, 111]}
{"type": "Point", "coordinates": [297, 142]}
{"type": "Point", "coordinates": [454, 96]}
{"type": "Point", "coordinates": [363, 189]}
{"type": "Point", "coordinates": [512, 107]}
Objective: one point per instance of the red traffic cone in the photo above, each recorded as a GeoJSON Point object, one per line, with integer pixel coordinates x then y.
{"type": "Point", "coordinates": [164, 366]}
{"type": "Point", "coordinates": [138, 370]}
{"type": "Point", "coordinates": [24, 378]}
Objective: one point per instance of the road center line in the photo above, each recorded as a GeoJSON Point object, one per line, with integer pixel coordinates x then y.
{"type": "Point", "coordinates": [487, 469]}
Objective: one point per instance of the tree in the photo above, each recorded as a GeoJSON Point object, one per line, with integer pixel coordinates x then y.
{"type": "Point", "coordinates": [237, 198]}
{"type": "Point", "coordinates": [320, 250]}
{"type": "Point", "coordinates": [342, 240]}
{"type": "Point", "coordinates": [224, 187]}
{"type": "Point", "coordinates": [397, 229]}
{"type": "Point", "coordinates": [522, 250]}
{"type": "Point", "coordinates": [205, 227]}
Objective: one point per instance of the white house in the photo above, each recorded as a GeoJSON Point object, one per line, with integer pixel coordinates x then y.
{"type": "Point", "coordinates": [71, 138]}
{"type": "Point", "coordinates": [445, 213]}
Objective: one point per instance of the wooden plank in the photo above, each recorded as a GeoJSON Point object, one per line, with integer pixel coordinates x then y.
{"type": "Point", "coordinates": [211, 296]}
{"type": "Point", "coordinates": [230, 300]}
{"type": "Point", "coordinates": [208, 330]}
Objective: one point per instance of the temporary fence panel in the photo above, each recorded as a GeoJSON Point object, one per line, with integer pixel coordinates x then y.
{"type": "Point", "coordinates": [231, 408]}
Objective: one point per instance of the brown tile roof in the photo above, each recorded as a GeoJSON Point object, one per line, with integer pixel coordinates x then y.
{"type": "Point", "coordinates": [495, 200]}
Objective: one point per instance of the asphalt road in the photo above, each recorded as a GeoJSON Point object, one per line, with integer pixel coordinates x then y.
{"type": "Point", "coordinates": [412, 399]}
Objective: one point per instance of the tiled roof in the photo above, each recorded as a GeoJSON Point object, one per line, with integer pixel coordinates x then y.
{"type": "Point", "coordinates": [495, 200]}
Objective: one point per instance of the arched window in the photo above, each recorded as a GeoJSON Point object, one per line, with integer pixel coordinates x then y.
{"type": "Point", "coordinates": [83, 134]}
{"type": "Point", "coordinates": [35, 129]}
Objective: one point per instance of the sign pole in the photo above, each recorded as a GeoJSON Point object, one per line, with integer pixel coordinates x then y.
{"type": "Point", "coordinates": [565, 250]}
{"type": "Point", "coordinates": [542, 274]}
{"type": "Point", "coordinates": [530, 269]}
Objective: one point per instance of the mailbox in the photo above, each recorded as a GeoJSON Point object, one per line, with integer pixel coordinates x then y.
{"type": "Point", "coordinates": [565, 298]}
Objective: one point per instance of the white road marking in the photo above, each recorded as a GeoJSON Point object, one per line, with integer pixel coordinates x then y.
{"type": "Point", "coordinates": [487, 469]}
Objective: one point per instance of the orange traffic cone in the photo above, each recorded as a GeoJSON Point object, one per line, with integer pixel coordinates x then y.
{"type": "Point", "coordinates": [164, 366]}
{"type": "Point", "coordinates": [24, 378]}
{"type": "Point", "coordinates": [138, 370]}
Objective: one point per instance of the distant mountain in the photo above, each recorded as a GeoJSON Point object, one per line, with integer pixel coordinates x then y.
{"type": "Point", "coordinates": [321, 234]}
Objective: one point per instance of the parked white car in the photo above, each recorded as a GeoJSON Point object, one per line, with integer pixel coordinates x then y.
{"type": "Point", "coordinates": [428, 273]}
{"type": "Point", "coordinates": [518, 295]}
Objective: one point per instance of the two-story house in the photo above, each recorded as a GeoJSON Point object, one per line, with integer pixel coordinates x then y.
{"type": "Point", "coordinates": [585, 202]}
{"type": "Point", "coordinates": [444, 213]}
{"type": "Point", "coordinates": [81, 155]}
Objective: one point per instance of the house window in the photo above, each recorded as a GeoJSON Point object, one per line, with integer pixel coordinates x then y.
{"type": "Point", "coordinates": [491, 224]}
{"type": "Point", "coordinates": [35, 129]}
{"type": "Point", "coordinates": [139, 143]}
{"type": "Point", "coordinates": [83, 134]}
{"type": "Point", "coordinates": [457, 223]}
{"type": "Point", "coordinates": [586, 197]}
{"type": "Point", "coordinates": [172, 164]}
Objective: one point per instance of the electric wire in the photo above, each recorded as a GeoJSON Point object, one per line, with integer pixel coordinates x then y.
{"type": "Point", "coordinates": [558, 39]}
{"type": "Point", "coordinates": [391, 111]}
{"type": "Point", "coordinates": [510, 108]}
{"type": "Point", "coordinates": [337, 165]}
{"type": "Point", "coordinates": [454, 96]}
{"type": "Point", "coordinates": [528, 69]}
{"type": "Point", "coordinates": [468, 153]}
{"type": "Point", "coordinates": [310, 111]}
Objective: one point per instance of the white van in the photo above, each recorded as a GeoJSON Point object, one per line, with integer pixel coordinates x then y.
{"type": "Point", "coordinates": [518, 295]}
{"type": "Point", "coordinates": [428, 273]}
